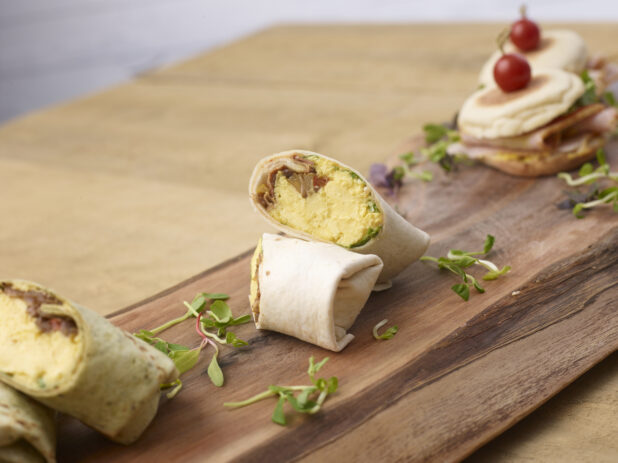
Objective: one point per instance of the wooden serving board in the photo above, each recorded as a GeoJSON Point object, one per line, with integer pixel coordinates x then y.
{"type": "Point", "coordinates": [457, 373]}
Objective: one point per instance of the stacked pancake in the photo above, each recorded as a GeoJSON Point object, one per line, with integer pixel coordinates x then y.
{"type": "Point", "coordinates": [72, 360]}
{"type": "Point", "coordinates": [346, 239]}
{"type": "Point", "coordinates": [541, 129]}
{"type": "Point", "coordinates": [559, 49]}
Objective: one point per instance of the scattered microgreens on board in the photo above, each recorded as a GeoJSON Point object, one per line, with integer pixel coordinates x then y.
{"type": "Point", "coordinates": [438, 138]}
{"type": "Point", "coordinates": [456, 261]}
{"type": "Point", "coordinates": [388, 334]}
{"type": "Point", "coordinates": [596, 195]}
{"type": "Point", "coordinates": [303, 399]}
{"type": "Point", "coordinates": [212, 326]}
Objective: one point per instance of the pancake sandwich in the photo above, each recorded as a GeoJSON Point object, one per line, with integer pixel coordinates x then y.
{"type": "Point", "coordinates": [541, 129]}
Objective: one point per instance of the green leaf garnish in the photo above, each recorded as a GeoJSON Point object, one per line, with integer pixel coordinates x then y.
{"type": "Point", "coordinates": [610, 99]}
{"type": "Point", "coordinates": [303, 399]}
{"type": "Point", "coordinates": [388, 334]}
{"type": "Point", "coordinates": [456, 261]}
{"type": "Point", "coordinates": [588, 175]}
{"type": "Point", "coordinates": [354, 175]}
{"type": "Point", "coordinates": [590, 92]}
{"type": "Point", "coordinates": [463, 290]}
{"type": "Point", "coordinates": [369, 234]}
{"type": "Point", "coordinates": [434, 132]}
{"type": "Point", "coordinates": [185, 359]}
{"type": "Point", "coordinates": [278, 415]}
{"type": "Point", "coordinates": [221, 311]}
{"type": "Point", "coordinates": [214, 371]}
{"type": "Point", "coordinates": [489, 243]}
{"type": "Point", "coordinates": [373, 207]}
{"type": "Point", "coordinates": [218, 317]}
{"type": "Point", "coordinates": [409, 158]}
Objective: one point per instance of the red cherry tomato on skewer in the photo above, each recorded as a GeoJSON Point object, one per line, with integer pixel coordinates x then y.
{"type": "Point", "coordinates": [512, 72]}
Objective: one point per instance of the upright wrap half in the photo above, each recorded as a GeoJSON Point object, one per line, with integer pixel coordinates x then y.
{"type": "Point", "coordinates": [312, 291]}
{"type": "Point", "coordinates": [312, 196]}
{"type": "Point", "coordinates": [75, 361]}
{"type": "Point", "coordinates": [27, 429]}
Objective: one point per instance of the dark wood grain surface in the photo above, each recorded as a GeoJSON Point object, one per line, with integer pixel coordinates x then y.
{"type": "Point", "coordinates": [457, 373]}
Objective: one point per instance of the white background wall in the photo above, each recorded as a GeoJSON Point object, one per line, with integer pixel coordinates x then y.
{"type": "Point", "coordinates": [53, 50]}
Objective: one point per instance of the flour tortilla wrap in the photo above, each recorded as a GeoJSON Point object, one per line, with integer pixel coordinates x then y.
{"type": "Point", "coordinates": [312, 291]}
{"type": "Point", "coordinates": [27, 429]}
{"type": "Point", "coordinates": [75, 361]}
{"type": "Point", "coordinates": [334, 204]}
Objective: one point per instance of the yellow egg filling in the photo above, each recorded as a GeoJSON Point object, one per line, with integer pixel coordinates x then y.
{"type": "Point", "coordinates": [342, 210]}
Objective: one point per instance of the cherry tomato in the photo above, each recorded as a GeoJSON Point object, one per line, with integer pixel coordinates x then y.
{"type": "Point", "coordinates": [525, 34]}
{"type": "Point", "coordinates": [512, 72]}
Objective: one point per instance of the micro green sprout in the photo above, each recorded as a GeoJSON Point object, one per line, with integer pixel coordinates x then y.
{"type": "Point", "coordinates": [306, 399]}
{"type": "Point", "coordinates": [456, 261]}
{"type": "Point", "coordinates": [597, 195]}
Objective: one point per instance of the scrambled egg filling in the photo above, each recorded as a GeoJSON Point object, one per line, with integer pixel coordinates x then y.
{"type": "Point", "coordinates": [34, 358]}
{"type": "Point", "coordinates": [254, 293]}
{"type": "Point", "coordinates": [343, 211]}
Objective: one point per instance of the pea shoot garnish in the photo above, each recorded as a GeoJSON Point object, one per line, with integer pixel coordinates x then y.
{"type": "Point", "coordinates": [602, 187]}
{"type": "Point", "coordinates": [388, 334]}
{"type": "Point", "coordinates": [212, 326]}
{"type": "Point", "coordinates": [303, 399]}
{"type": "Point", "coordinates": [456, 261]}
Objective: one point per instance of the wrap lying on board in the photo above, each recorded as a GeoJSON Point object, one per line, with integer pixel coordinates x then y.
{"type": "Point", "coordinates": [75, 361]}
{"type": "Point", "coordinates": [311, 196]}
{"type": "Point", "coordinates": [312, 291]}
{"type": "Point", "coordinates": [27, 429]}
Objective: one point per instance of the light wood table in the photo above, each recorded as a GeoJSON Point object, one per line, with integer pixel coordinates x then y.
{"type": "Point", "coordinates": [114, 197]}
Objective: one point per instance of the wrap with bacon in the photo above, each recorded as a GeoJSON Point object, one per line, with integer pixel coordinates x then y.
{"type": "Point", "coordinates": [27, 429]}
{"type": "Point", "coordinates": [537, 130]}
{"type": "Point", "coordinates": [312, 291]}
{"type": "Point", "coordinates": [75, 361]}
{"type": "Point", "coordinates": [311, 196]}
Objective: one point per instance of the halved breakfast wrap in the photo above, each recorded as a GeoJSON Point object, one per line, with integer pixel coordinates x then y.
{"type": "Point", "coordinates": [310, 290]}
{"type": "Point", "coordinates": [75, 361]}
{"type": "Point", "coordinates": [27, 429]}
{"type": "Point", "coordinates": [311, 196]}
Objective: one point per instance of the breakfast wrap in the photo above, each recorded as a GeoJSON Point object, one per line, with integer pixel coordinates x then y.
{"type": "Point", "coordinates": [27, 429]}
{"type": "Point", "coordinates": [310, 290]}
{"type": "Point", "coordinates": [311, 196]}
{"type": "Point", "coordinates": [75, 361]}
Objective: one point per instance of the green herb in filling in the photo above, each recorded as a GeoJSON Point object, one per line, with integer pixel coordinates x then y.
{"type": "Point", "coordinates": [371, 233]}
